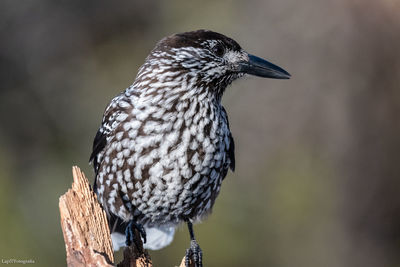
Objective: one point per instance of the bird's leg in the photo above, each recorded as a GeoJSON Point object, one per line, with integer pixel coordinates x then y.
{"type": "Point", "coordinates": [132, 225]}
{"type": "Point", "coordinates": [194, 250]}
{"type": "Point", "coordinates": [130, 233]}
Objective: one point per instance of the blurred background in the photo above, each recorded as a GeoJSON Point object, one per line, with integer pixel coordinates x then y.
{"type": "Point", "coordinates": [318, 167]}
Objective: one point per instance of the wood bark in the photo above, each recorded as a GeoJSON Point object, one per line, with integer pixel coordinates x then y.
{"type": "Point", "coordinates": [86, 233]}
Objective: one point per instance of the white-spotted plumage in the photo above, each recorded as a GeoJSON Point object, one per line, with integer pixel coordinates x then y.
{"type": "Point", "coordinates": [164, 146]}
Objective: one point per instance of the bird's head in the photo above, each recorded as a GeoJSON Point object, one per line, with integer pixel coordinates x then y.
{"type": "Point", "coordinates": [206, 59]}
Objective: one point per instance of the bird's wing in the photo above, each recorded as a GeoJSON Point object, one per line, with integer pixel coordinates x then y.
{"type": "Point", "coordinates": [110, 121]}
{"type": "Point", "coordinates": [99, 144]}
{"type": "Point", "coordinates": [231, 152]}
{"type": "Point", "coordinates": [231, 148]}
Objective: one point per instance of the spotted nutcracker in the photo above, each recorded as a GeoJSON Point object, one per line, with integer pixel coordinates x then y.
{"type": "Point", "coordinates": [164, 144]}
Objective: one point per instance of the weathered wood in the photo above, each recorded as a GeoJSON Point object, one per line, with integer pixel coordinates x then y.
{"type": "Point", "coordinates": [86, 233]}
{"type": "Point", "coordinates": [191, 263]}
{"type": "Point", "coordinates": [84, 225]}
{"type": "Point", "coordinates": [85, 228]}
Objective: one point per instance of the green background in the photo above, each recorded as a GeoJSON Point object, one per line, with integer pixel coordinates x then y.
{"type": "Point", "coordinates": [317, 156]}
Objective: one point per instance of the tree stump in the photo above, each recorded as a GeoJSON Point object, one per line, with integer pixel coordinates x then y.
{"type": "Point", "coordinates": [86, 233]}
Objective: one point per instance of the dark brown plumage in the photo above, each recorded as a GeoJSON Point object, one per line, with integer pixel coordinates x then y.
{"type": "Point", "coordinates": [164, 145]}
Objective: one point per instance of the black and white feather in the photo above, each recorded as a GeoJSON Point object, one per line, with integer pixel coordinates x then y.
{"type": "Point", "coordinates": [164, 145]}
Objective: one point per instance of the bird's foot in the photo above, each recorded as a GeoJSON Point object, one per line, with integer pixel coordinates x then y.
{"type": "Point", "coordinates": [130, 234]}
{"type": "Point", "coordinates": [195, 253]}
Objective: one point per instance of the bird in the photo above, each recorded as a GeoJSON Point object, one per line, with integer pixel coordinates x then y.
{"type": "Point", "coordinates": [164, 145]}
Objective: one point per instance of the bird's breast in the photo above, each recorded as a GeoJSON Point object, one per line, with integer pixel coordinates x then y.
{"type": "Point", "coordinates": [167, 163]}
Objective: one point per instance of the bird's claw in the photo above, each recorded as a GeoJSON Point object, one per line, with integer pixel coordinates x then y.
{"type": "Point", "coordinates": [130, 234]}
{"type": "Point", "coordinates": [194, 252]}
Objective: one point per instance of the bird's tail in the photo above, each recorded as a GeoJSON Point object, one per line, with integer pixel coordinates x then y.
{"type": "Point", "coordinates": [157, 237]}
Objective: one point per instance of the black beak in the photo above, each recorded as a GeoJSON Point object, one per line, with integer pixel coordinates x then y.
{"type": "Point", "coordinates": [260, 67]}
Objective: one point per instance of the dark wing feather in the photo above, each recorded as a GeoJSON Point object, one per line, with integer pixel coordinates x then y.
{"type": "Point", "coordinates": [108, 124]}
{"type": "Point", "coordinates": [99, 144]}
{"type": "Point", "coordinates": [231, 152]}
{"type": "Point", "coordinates": [231, 148]}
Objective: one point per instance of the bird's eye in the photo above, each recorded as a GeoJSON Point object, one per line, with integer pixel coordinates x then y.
{"type": "Point", "coordinates": [218, 50]}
